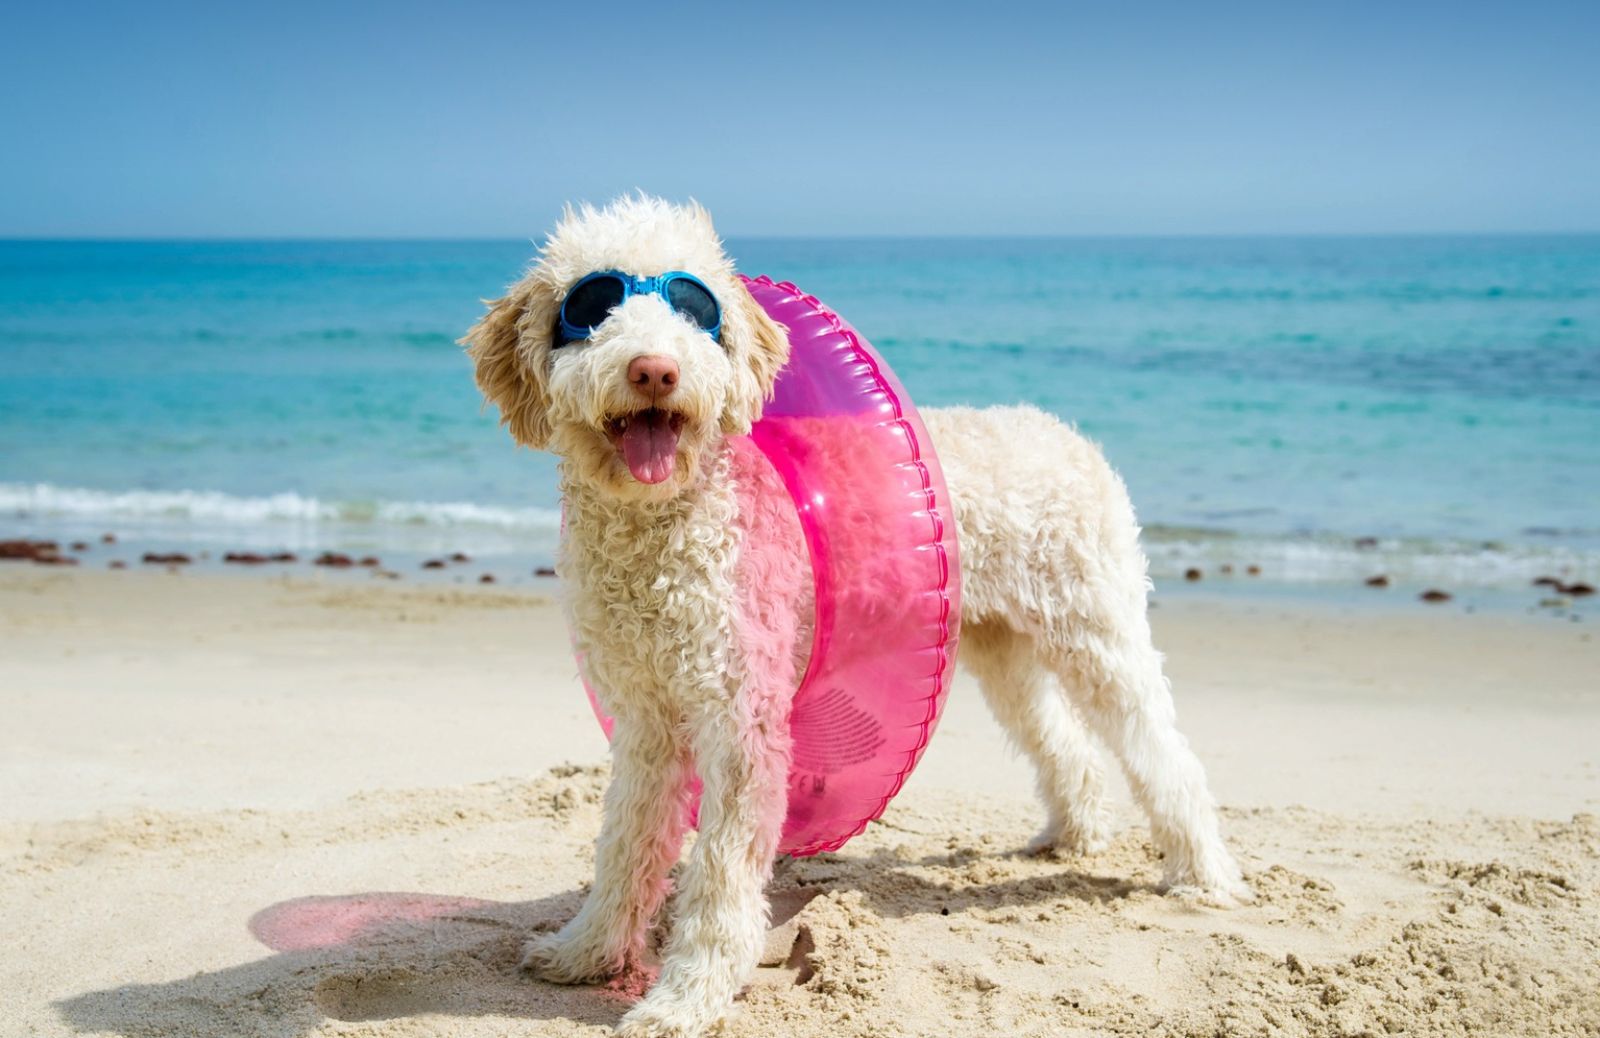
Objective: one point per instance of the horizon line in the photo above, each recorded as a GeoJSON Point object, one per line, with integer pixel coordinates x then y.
{"type": "Point", "coordinates": [1067, 236]}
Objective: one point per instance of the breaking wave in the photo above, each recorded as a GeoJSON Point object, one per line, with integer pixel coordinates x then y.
{"type": "Point", "coordinates": [44, 500]}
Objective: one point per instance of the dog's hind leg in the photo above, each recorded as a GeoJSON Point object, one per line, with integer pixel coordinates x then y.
{"type": "Point", "coordinates": [719, 915]}
{"type": "Point", "coordinates": [640, 837]}
{"type": "Point", "coordinates": [1114, 674]}
{"type": "Point", "coordinates": [1036, 716]}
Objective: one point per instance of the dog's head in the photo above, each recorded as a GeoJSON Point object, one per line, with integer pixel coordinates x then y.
{"type": "Point", "coordinates": [632, 406]}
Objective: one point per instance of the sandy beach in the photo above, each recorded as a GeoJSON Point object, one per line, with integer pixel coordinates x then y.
{"type": "Point", "coordinates": [295, 806]}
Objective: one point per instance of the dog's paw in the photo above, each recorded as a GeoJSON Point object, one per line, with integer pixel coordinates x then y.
{"type": "Point", "coordinates": [661, 1014]}
{"type": "Point", "coordinates": [1206, 873]}
{"type": "Point", "coordinates": [1067, 842]}
{"type": "Point", "coordinates": [1233, 894]}
{"type": "Point", "coordinates": [1220, 892]}
{"type": "Point", "coordinates": [562, 959]}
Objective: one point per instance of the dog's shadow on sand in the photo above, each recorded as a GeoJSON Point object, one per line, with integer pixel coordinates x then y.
{"type": "Point", "coordinates": [383, 956]}
{"type": "Point", "coordinates": [966, 880]}
{"type": "Point", "coordinates": [355, 958]}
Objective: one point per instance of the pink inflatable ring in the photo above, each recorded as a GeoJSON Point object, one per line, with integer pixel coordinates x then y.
{"type": "Point", "coordinates": [864, 480]}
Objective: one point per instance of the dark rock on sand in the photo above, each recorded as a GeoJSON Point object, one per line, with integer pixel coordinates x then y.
{"type": "Point", "coordinates": [171, 558]}
{"type": "Point", "coordinates": [1192, 574]}
{"type": "Point", "coordinates": [460, 556]}
{"type": "Point", "coordinates": [80, 545]}
{"type": "Point", "coordinates": [335, 559]}
{"type": "Point", "coordinates": [245, 558]}
{"type": "Point", "coordinates": [487, 578]}
{"type": "Point", "coordinates": [1576, 590]}
{"type": "Point", "coordinates": [544, 571]}
{"type": "Point", "coordinates": [283, 556]}
{"type": "Point", "coordinates": [1380, 580]}
{"type": "Point", "coordinates": [433, 564]}
{"type": "Point", "coordinates": [29, 550]}
{"type": "Point", "coordinates": [1254, 571]}
{"type": "Point", "coordinates": [369, 560]}
{"type": "Point", "coordinates": [108, 538]}
{"type": "Point", "coordinates": [1433, 594]}
{"type": "Point", "coordinates": [1546, 581]}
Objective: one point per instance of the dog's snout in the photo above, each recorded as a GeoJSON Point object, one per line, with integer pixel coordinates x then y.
{"type": "Point", "coordinates": [653, 377]}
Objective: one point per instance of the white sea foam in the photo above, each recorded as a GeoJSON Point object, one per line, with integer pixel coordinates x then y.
{"type": "Point", "coordinates": [1326, 558]}
{"type": "Point", "coordinates": [462, 513]}
{"type": "Point", "coordinates": [44, 500]}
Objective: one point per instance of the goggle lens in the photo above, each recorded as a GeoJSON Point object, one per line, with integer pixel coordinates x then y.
{"type": "Point", "coordinates": [592, 302]}
{"type": "Point", "coordinates": [694, 301]}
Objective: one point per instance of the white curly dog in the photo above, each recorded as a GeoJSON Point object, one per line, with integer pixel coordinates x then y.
{"type": "Point", "coordinates": [693, 646]}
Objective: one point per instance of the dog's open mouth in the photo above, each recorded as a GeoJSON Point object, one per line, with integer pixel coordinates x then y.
{"type": "Point", "coordinates": [648, 442]}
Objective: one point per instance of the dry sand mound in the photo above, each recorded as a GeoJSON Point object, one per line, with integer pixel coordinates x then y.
{"type": "Point", "coordinates": [290, 924]}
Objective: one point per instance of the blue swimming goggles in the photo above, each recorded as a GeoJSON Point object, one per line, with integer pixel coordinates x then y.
{"type": "Point", "coordinates": [592, 299]}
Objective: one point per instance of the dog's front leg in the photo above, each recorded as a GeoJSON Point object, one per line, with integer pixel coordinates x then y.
{"type": "Point", "coordinates": [720, 911]}
{"type": "Point", "coordinates": [639, 841]}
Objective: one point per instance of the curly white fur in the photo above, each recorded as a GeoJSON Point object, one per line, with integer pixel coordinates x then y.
{"type": "Point", "coordinates": [691, 633]}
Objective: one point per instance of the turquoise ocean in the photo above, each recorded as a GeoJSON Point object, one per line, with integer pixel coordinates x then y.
{"type": "Point", "coordinates": [1277, 401]}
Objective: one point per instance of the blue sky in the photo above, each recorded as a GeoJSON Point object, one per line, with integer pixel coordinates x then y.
{"type": "Point", "coordinates": [480, 119]}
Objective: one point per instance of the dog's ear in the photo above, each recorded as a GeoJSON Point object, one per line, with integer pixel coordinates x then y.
{"type": "Point", "coordinates": [508, 345]}
{"type": "Point", "coordinates": [759, 348]}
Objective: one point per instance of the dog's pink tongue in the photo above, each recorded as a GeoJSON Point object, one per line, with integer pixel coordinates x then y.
{"type": "Point", "coordinates": [650, 446]}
